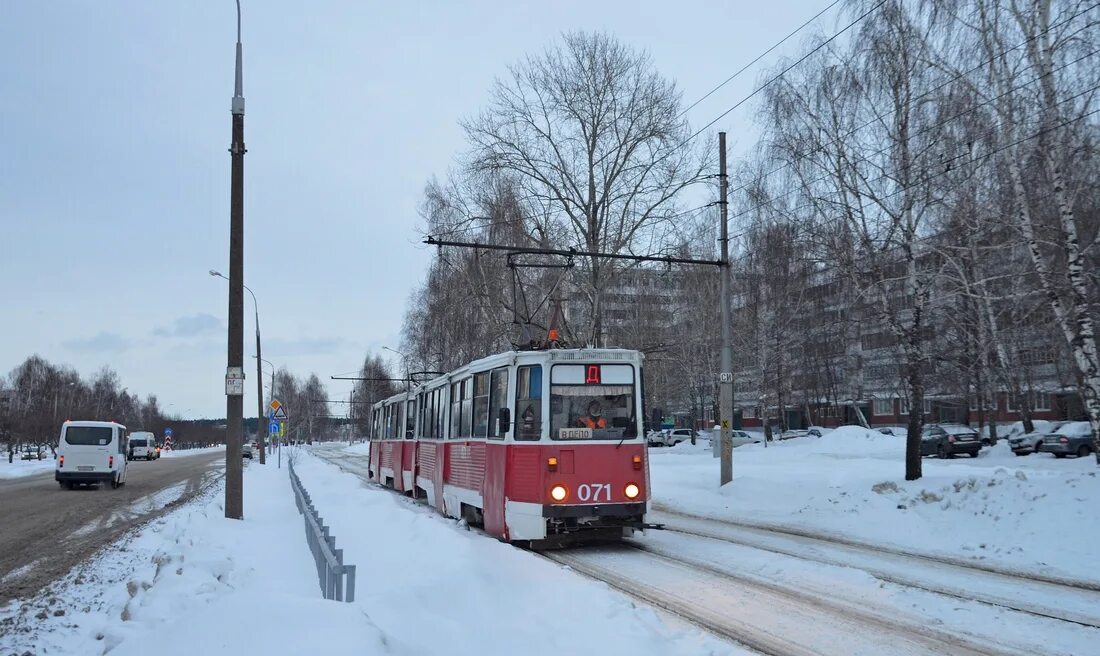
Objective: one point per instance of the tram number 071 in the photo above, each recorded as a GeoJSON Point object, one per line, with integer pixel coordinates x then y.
{"type": "Point", "coordinates": [594, 492]}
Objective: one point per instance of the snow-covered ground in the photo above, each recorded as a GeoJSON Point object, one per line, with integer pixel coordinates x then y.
{"type": "Point", "coordinates": [190, 452]}
{"type": "Point", "coordinates": [19, 467]}
{"type": "Point", "coordinates": [1033, 513]}
{"type": "Point", "coordinates": [433, 587]}
{"type": "Point", "coordinates": [194, 582]}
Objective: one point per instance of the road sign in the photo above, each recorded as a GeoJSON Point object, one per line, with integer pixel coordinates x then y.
{"type": "Point", "coordinates": [725, 377]}
{"type": "Point", "coordinates": [279, 414]}
{"type": "Point", "coordinates": [168, 432]}
{"type": "Point", "coordinates": [273, 428]}
{"type": "Point", "coordinates": [274, 405]}
{"type": "Point", "coordinates": [282, 429]}
{"type": "Point", "coordinates": [234, 381]}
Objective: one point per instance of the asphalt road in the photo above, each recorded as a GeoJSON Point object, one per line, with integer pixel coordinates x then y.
{"type": "Point", "coordinates": [45, 529]}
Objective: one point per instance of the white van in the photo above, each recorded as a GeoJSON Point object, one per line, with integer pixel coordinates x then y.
{"type": "Point", "coordinates": [143, 444]}
{"type": "Point", "coordinates": [91, 452]}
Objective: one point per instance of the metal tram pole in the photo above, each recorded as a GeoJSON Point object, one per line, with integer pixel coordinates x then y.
{"type": "Point", "coordinates": [725, 379]}
{"type": "Point", "coordinates": [234, 374]}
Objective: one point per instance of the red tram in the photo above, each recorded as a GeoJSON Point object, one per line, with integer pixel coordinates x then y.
{"type": "Point", "coordinates": [543, 447]}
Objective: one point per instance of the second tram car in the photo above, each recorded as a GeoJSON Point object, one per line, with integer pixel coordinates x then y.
{"type": "Point", "coordinates": [543, 447]}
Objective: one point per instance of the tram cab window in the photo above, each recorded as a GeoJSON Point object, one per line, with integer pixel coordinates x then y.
{"type": "Point", "coordinates": [528, 403]}
{"type": "Point", "coordinates": [592, 402]}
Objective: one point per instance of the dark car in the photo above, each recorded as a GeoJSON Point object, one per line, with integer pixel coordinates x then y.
{"type": "Point", "coordinates": [946, 440]}
{"type": "Point", "coordinates": [1072, 439]}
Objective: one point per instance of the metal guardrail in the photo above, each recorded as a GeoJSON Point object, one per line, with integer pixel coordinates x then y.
{"type": "Point", "coordinates": [337, 579]}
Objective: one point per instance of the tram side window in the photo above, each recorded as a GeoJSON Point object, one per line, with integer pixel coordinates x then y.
{"type": "Point", "coordinates": [481, 404]}
{"type": "Point", "coordinates": [528, 402]}
{"type": "Point", "coordinates": [422, 407]}
{"type": "Point", "coordinates": [410, 420]}
{"type": "Point", "coordinates": [498, 398]}
{"type": "Point", "coordinates": [441, 407]}
{"type": "Point", "coordinates": [456, 408]}
{"type": "Point", "coordinates": [432, 412]}
{"type": "Point", "coordinates": [467, 428]}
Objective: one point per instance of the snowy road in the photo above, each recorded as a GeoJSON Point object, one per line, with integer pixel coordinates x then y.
{"type": "Point", "coordinates": [47, 529]}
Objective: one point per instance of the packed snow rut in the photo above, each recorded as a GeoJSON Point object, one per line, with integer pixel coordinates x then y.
{"type": "Point", "coordinates": [766, 618]}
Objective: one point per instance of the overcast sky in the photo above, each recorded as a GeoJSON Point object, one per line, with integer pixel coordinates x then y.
{"type": "Point", "coordinates": [114, 164]}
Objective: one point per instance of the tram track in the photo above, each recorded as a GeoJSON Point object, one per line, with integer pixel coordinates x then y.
{"type": "Point", "coordinates": [994, 587]}
{"type": "Point", "coordinates": [660, 511]}
{"type": "Point", "coordinates": [768, 618]}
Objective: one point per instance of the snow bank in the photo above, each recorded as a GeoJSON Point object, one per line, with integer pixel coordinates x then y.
{"type": "Point", "coordinates": [1000, 508]}
{"type": "Point", "coordinates": [194, 582]}
{"type": "Point", "coordinates": [18, 468]}
{"type": "Point", "coordinates": [183, 453]}
{"type": "Point", "coordinates": [434, 587]}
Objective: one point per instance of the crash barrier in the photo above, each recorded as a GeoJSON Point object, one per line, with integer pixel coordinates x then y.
{"type": "Point", "coordinates": [337, 579]}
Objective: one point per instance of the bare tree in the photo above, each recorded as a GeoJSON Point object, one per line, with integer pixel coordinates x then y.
{"type": "Point", "coordinates": [594, 137]}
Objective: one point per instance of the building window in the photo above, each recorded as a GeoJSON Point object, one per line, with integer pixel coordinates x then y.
{"type": "Point", "coordinates": [748, 413]}
{"type": "Point", "coordinates": [903, 403]}
{"type": "Point", "coordinates": [1042, 401]}
{"type": "Point", "coordinates": [1010, 402]}
{"type": "Point", "coordinates": [927, 407]}
{"type": "Point", "coordinates": [884, 407]}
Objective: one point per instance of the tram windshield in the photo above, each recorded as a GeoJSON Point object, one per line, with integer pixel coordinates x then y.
{"type": "Point", "coordinates": [592, 402]}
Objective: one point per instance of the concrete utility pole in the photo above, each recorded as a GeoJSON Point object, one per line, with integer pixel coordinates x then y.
{"type": "Point", "coordinates": [234, 373]}
{"type": "Point", "coordinates": [725, 378]}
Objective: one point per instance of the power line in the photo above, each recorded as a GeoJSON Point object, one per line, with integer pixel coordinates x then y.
{"type": "Point", "coordinates": [758, 58]}
{"type": "Point", "coordinates": [947, 163]}
{"type": "Point", "coordinates": [784, 71]}
{"type": "Point", "coordinates": [977, 161]}
{"type": "Point", "coordinates": [879, 117]}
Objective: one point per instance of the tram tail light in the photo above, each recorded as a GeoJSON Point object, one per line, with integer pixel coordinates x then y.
{"type": "Point", "coordinates": [637, 462]}
{"type": "Point", "coordinates": [631, 491]}
{"type": "Point", "coordinates": [559, 493]}
{"type": "Point", "coordinates": [552, 464]}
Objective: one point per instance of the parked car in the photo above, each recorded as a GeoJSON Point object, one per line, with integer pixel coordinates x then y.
{"type": "Point", "coordinates": [246, 450]}
{"type": "Point", "coordinates": [791, 434]}
{"type": "Point", "coordinates": [896, 431]}
{"type": "Point", "coordinates": [946, 440]}
{"type": "Point", "coordinates": [741, 438]}
{"type": "Point", "coordinates": [816, 431]}
{"type": "Point", "coordinates": [1023, 444]}
{"type": "Point", "coordinates": [655, 438]}
{"type": "Point", "coordinates": [677, 435]}
{"type": "Point", "coordinates": [1071, 439]}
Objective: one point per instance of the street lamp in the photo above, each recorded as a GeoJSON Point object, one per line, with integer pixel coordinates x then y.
{"type": "Point", "coordinates": [406, 359]}
{"type": "Point", "coordinates": [261, 426]}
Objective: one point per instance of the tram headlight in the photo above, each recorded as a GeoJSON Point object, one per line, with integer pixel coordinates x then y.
{"type": "Point", "coordinates": [631, 491]}
{"type": "Point", "coordinates": [558, 493]}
